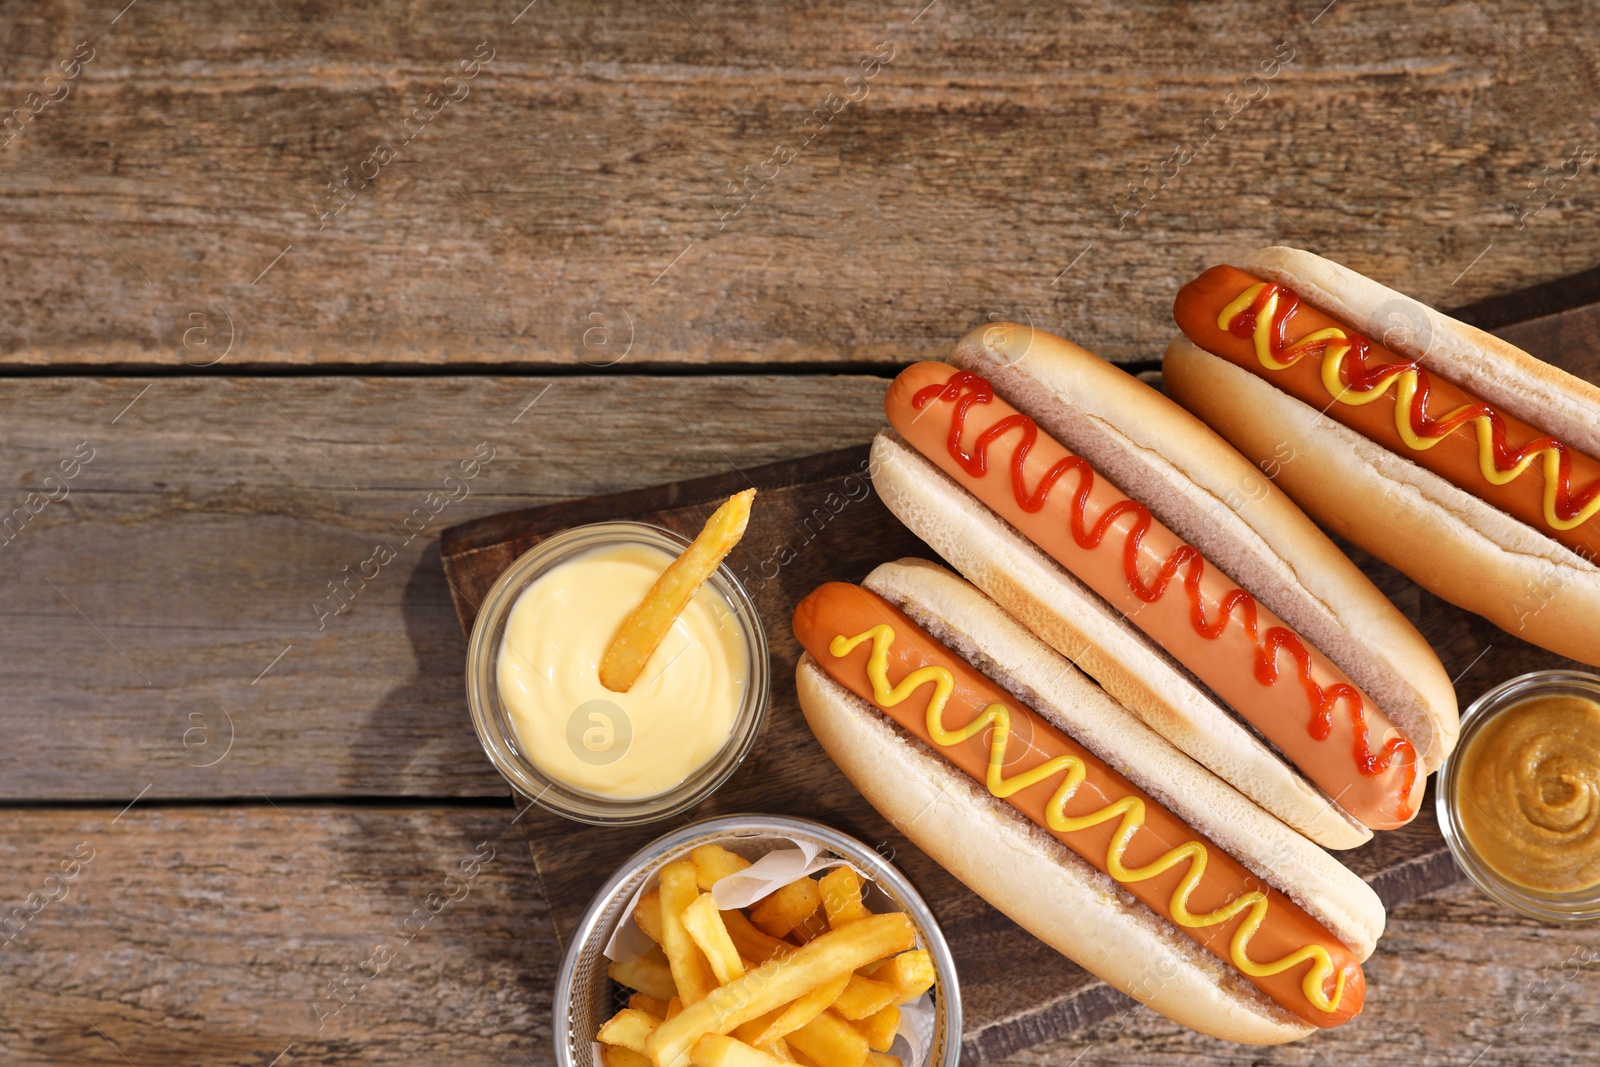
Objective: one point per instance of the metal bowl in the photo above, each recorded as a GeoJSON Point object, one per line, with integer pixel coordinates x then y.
{"type": "Point", "coordinates": [585, 996]}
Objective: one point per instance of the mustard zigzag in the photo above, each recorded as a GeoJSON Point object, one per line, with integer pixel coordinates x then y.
{"type": "Point", "coordinates": [1130, 810]}
{"type": "Point", "coordinates": [1405, 399]}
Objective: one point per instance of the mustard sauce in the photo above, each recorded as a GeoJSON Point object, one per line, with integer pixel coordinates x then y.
{"type": "Point", "coordinates": [1529, 793]}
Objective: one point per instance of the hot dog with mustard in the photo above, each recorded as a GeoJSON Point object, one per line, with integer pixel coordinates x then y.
{"type": "Point", "coordinates": [888, 684]}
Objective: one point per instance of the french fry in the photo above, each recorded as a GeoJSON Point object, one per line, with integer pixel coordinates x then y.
{"type": "Point", "coordinates": [647, 914]}
{"type": "Point", "coordinates": [910, 972]}
{"type": "Point", "coordinates": [712, 863]}
{"type": "Point", "coordinates": [801, 1011]}
{"type": "Point", "coordinates": [690, 971]}
{"type": "Point", "coordinates": [778, 982]}
{"type": "Point", "coordinates": [753, 944]}
{"type": "Point", "coordinates": [829, 1039]}
{"type": "Point", "coordinates": [629, 1028]}
{"type": "Point", "coordinates": [716, 1051]}
{"type": "Point", "coordinates": [879, 1029]}
{"type": "Point", "coordinates": [707, 931]}
{"type": "Point", "coordinates": [649, 974]}
{"type": "Point", "coordinates": [655, 1007]}
{"type": "Point", "coordinates": [779, 1049]}
{"type": "Point", "coordinates": [617, 1056]}
{"type": "Point", "coordinates": [841, 896]}
{"type": "Point", "coordinates": [811, 926]}
{"type": "Point", "coordinates": [674, 1006]}
{"type": "Point", "coordinates": [788, 907]}
{"type": "Point", "coordinates": [882, 1059]}
{"type": "Point", "coordinates": [749, 1031]}
{"type": "Point", "coordinates": [863, 997]}
{"type": "Point", "coordinates": [636, 640]}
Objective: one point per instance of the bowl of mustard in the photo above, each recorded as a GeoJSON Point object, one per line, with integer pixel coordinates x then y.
{"type": "Point", "coordinates": [1519, 798]}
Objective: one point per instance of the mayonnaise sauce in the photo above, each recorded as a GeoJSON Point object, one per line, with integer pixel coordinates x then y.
{"type": "Point", "coordinates": [623, 746]}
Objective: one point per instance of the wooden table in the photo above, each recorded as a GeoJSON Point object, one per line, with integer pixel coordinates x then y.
{"type": "Point", "coordinates": [251, 792]}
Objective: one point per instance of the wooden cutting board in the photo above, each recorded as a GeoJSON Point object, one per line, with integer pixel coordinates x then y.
{"type": "Point", "coordinates": [818, 520]}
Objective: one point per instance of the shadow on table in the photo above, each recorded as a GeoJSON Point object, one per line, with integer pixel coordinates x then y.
{"type": "Point", "coordinates": [418, 740]}
{"type": "Point", "coordinates": [490, 958]}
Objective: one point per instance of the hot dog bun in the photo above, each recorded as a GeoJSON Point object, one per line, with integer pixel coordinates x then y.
{"type": "Point", "coordinates": [1212, 498]}
{"type": "Point", "coordinates": [1447, 539]}
{"type": "Point", "coordinates": [1043, 885]}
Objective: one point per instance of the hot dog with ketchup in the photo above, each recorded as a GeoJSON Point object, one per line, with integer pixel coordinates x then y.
{"type": "Point", "coordinates": [973, 773]}
{"type": "Point", "coordinates": [1176, 537]}
{"type": "Point", "coordinates": [1299, 701]}
{"type": "Point", "coordinates": [1453, 439]}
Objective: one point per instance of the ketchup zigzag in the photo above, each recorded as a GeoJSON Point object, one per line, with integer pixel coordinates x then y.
{"type": "Point", "coordinates": [1262, 312]}
{"type": "Point", "coordinates": [1129, 810]}
{"type": "Point", "coordinates": [965, 389]}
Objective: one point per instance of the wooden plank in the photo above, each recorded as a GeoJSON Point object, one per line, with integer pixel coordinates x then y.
{"type": "Point", "coordinates": [574, 204]}
{"type": "Point", "coordinates": [202, 936]}
{"type": "Point", "coordinates": [814, 542]}
{"type": "Point", "coordinates": [1454, 980]}
{"type": "Point", "coordinates": [1558, 321]}
{"type": "Point", "coordinates": [193, 935]}
{"type": "Point", "coordinates": [146, 611]}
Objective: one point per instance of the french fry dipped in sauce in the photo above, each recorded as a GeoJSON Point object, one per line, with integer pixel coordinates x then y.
{"type": "Point", "coordinates": [645, 627]}
{"type": "Point", "coordinates": [622, 671]}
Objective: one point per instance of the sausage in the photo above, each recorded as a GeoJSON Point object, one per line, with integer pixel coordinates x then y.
{"type": "Point", "coordinates": [837, 615]}
{"type": "Point", "coordinates": [1290, 692]}
{"type": "Point", "coordinates": [1455, 458]}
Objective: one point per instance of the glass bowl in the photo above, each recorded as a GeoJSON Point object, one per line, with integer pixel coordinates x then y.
{"type": "Point", "coordinates": [1578, 906]}
{"type": "Point", "coordinates": [585, 995]}
{"type": "Point", "coordinates": [499, 738]}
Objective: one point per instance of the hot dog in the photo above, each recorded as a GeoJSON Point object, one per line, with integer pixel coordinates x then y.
{"type": "Point", "coordinates": [1488, 450]}
{"type": "Point", "coordinates": [1268, 330]}
{"type": "Point", "coordinates": [888, 684]}
{"type": "Point", "coordinates": [1244, 653]}
{"type": "Point", "coordinates": [1254, 603]}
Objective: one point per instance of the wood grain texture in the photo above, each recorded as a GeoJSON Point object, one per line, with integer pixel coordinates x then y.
{"type": "Point", "coordinates": [571, 206]}
{"type": "Point", "coordinates": [145, 612]}
{"type": "Point", "coordinates": [1455, 980]}
{"type": "Point", "coordinates": [566, 212]}
{"type": "Point", "coordinates": [210, 936]}
{"type": "Point", "coordinates": [202, 936]}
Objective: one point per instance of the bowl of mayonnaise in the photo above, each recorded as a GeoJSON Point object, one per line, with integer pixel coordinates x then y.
{"type": "Point", "coordinates": [571, 745]}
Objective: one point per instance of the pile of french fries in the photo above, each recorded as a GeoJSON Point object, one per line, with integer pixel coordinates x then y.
{"type": "Point", "coordinates": [808, 976]}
